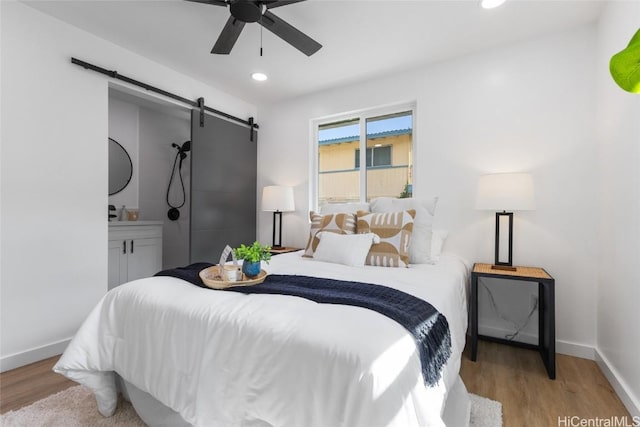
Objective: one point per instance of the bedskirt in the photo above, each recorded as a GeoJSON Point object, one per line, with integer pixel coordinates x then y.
{"type": "Point", "coordinates": [456, 413]}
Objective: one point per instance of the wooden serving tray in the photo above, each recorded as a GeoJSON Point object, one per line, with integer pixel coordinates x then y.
{"type": "Point", "coordinates": [212, 278]}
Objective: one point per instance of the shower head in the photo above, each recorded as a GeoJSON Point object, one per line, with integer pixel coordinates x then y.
{"type": "Point", "coordinates": [182, 150]}
{"type": "Point", "coordinates": [186, 147]}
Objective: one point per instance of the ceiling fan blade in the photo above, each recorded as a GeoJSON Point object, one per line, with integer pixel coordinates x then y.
{"type": "Point", "coordinates": [228, 36]}
{"type": "Point", "coordinates": [278, 3]}
{"type": "Point", "coordinates": [290, 34]}
{"type": "Point", "coordinates": [211, 2]}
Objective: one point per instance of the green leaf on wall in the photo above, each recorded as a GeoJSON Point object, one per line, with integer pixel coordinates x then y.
{"type": "Point", "coordinates": [625, 66]}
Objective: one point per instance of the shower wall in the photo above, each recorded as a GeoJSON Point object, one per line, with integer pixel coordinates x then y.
{"type": "Point", "coordinates": [147, 132]}
{"type": "Point", "coordinates": [157, 131]}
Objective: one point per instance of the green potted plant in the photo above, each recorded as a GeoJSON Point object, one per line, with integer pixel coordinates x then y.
{"type": "Point", "coordinates": [252, 256]}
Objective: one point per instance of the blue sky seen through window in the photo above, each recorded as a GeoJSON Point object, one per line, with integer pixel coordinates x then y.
{"type": "Point", "coordinates": [373, 126]}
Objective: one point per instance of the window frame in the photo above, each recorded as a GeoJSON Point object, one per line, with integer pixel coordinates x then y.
{"type": "Point", "coordinates": [361, 116]}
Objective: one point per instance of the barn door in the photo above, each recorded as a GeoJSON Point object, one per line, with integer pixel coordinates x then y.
{"type": "Point", "coordinates": [223, 186]}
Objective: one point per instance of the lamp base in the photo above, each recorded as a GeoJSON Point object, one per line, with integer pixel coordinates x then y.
{"type": "Point", "coordinates": [277, 223]}
{"type": "Point", "coordinates": [500, 260]}
{"type": "Point", "coordinates": [503, 267]}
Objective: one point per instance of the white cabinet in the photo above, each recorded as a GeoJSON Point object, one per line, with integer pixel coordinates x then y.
{"type": "Point", "coordinates": [135, 250]}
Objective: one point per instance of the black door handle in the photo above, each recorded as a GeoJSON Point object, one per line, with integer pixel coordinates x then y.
{"type": "Point", "coordinates": [132, 246]}
{"type": "Point", "coordinates": [124, 246]}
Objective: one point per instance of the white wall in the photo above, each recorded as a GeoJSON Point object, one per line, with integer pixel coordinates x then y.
{"type": "Point", "coordinates": [618, 336]}
{"type": "Point", "coordinates": [526, 107]}
{"type": "Point", "coordinates": [54, 174]}
{"type": "Point", "coordinates": [123, 127]}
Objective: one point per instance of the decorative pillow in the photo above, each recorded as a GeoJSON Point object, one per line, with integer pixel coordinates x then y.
{"type": "Point", "coordinates": [347, 249]}
{"type": "Point", "coordinates": [341, 223]}
{"type": "Point", "coordinates": [344, 208]}
{"type": "Point", "coordinates": [394, 230]}
{"type": "Point", "coordinates": [420, 249]}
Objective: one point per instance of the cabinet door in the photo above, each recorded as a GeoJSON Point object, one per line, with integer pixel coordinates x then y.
{"type": "Point", "coordinates": [145, 258]}
{"type": "Point", "coordinates": [117, 263]}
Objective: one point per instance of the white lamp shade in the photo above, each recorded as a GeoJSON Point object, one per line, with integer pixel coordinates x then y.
{"type": "Point", "coordinates": [506, 192]}
{"type": "Point", "coordinates": [277, 198]}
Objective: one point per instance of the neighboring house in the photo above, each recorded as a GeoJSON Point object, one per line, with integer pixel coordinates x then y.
{"type": "Point", "coordinates": [389, 166]}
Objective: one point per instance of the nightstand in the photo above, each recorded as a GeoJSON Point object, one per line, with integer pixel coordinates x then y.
{"type": "Point", "coordinates": [546, 311]}
{"type": "Point", "coordinates": [283, 250]}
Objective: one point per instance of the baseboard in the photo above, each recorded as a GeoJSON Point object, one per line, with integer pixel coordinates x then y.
{"type": "Point", "coordinates": [576, 350]}
{"type": "Point", "coordinates": [619, 385]}
{"type": "Point", "coordinates": [562, 347]}
{"type": "Point", "coordinates": [17, 360]}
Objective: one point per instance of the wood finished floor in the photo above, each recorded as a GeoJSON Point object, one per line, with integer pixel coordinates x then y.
{"type": "Point", "coordinates": [23, 386]}
{"type": "Point", "coordinates": [514, 376]}
{"type": "Point", "coordinates": [517, 378]}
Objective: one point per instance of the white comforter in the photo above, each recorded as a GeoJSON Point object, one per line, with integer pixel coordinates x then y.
{"type": "Point", "coordinates": [228, 359]}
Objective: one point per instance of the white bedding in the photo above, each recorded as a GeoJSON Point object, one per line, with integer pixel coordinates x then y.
{"type": "Point", "coordinates": [228, 359]}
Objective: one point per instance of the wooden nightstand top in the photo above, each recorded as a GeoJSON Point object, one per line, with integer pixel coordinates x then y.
{"type": "Point", "coordinates": [532, 272]}
{"type": "Point", "coordinates": [279, 251]}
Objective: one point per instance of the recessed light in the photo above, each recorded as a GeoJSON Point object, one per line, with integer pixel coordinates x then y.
{"type": "Point", "coordinates": [259, 77]}
{"type": "Point", "coordinates": [490, 4]}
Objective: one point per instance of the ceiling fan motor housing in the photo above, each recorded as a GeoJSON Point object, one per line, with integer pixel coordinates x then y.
{"type": "Point", "coordinates": [250, 11]}
{"type": "Point", "coordinates": [246, 11]}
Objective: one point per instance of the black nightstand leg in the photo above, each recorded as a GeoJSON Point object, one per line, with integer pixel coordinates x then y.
{"type": "Point", "coordinates": [546, 326]}
{"type": "Point", "coordinates": [474, 317]}
{"type": "Point", "coordinates": [542, 329]}
{"type": "Point", "coordinates": [550, 325]}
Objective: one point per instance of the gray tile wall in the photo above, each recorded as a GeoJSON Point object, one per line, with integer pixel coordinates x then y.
{"type": "Point", "coordinates": [157, 131]}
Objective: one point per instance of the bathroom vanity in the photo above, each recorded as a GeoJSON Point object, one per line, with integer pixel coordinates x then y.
{"type": "Point", "coordinates": [135, 250]}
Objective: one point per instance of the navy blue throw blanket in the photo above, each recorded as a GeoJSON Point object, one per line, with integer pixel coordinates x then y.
{"type": "Point", "coordinates": [428, 326]}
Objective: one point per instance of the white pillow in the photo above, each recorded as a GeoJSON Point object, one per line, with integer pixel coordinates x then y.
{"type": "Point", "coordinates": [437, 242]}
{"type": "Point", "coordinates": [420, 247]}
{"type": "Point", "coordinates": [347, 249]}
{"type": "Point", "coordinates": [428, 203]}
{"type": "Point", "coordinates": [381, 205]}
{"type": "Point", "coordinates": [331, 208]}
{"type": "Point", "coordinates": [389, 204]}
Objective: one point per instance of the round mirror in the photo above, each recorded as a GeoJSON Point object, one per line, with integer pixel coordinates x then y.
{"type": "Point", "coordinates": [120, 167]}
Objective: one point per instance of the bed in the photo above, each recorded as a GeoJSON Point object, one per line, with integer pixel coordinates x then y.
{"type": "Point", "coordinates": [190, 356]}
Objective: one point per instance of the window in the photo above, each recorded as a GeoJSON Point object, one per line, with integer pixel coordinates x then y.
{"type": "Point", "coordinates": [376, 156]}
{"type": "Point", "coordinates": [381, 140]}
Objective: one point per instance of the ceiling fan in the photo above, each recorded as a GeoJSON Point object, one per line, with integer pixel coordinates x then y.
{"type": "Point", "coordinates": [246, 11]}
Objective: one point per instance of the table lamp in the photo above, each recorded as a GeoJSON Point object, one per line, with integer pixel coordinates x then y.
{"type": "Point", "coordinates": [277, 199]}
{"type": "Point", "coordinates": [505, 192]}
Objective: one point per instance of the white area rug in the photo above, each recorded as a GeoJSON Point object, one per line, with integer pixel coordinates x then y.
{"type": "Point", "coordinates": [76, 407]}
{"type": "Point", "coordinates": [485, 412]}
